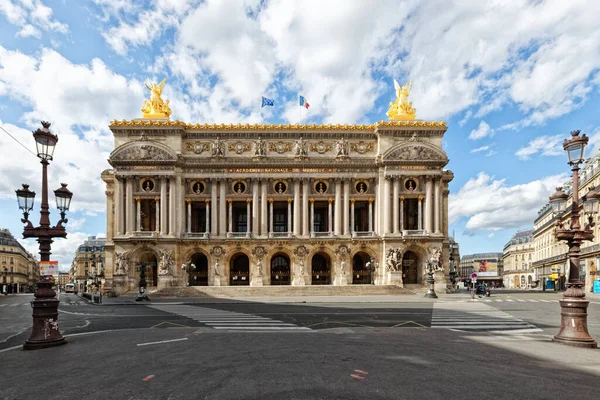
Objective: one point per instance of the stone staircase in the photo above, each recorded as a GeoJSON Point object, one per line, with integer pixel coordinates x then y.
{"type": "Point", "coordinates": [280, 291]}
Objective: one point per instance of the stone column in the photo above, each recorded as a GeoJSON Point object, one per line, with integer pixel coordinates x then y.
{"type": "Point", "coordinates": [180, 206]}
{"type": "Point", "coordinates": [208, 218]}
{"type": "Point", "coordinates": [385, 213]}
{"type": "Point", "coordinates": [248, 203]}
{"type": "Point", "coordinates": [330, 211]}
{"type": "Point", "coordinates": [347, 222]}
{"type": "Point", "coordinates": [263, 208]}
{"type": "Point", "coordinates": [189, 217]}
{"type": "Point", "coordinates": [305, 217]}
{"type": "Point", "coordinates": [214, 218]}
{"type": "Point", "coordinates": [436, 207]}
{"type": "Point", "coordinates": [117, 226]}
{"type": "Point", "coordinates": [296, 207]}
{"type": "Point", "coordinates": [395, 204]}
{"type": "Point", "coordinates": [270, 215]}
{"type": "Point", "coordinates": [163, 206]}
{"type": "Point", "coordinates": [352, 216]}
{"type": "Point", "coordinates": [289, 218]}
{"type": "Point", "coordinates": [172, 198]}
{"type": "Point", "coordinates": [312, 216]}
{"type": "Point", "coordinates": [230, 225]}
{"type": "Point", "coordinates": [138, 215]}
{"type": "Point", "coordinates": [428, 204]}
{"type": "Point", "coordinates": [338, 208]}
{"type": "Point", "coordinates": [377, 207]}
{"type": "Point", "coordinates": [222, 210]}
{"type": "Point", "coordinates": [157, 214]}
{"type": "Point", "coordinates": [255, 223]}
{"type": "Point", "coordinates": [401, 214]}
{"type": "Point", "coordinates": [129, 205]}
{"type": "Point", "coordinates": [420, 216]}
{"type": "Point", "coordinates": [370, 215]}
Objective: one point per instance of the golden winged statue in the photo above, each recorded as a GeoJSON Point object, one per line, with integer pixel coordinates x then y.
{"type": "Point", "coordinates": [156, 107]}
{"type": "Point", "coordinates": [402, 109]}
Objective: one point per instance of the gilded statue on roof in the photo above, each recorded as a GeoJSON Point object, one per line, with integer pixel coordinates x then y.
{"type": "Point", "coordinates": [402, 109]}
{"type": "Point", "coordinates": [156, 107]}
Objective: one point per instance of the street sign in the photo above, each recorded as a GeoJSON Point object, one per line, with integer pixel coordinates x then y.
{"type": "Point", "coordinates": [48, 268]}
{"type": "Point", "coordinates": [473, 275]}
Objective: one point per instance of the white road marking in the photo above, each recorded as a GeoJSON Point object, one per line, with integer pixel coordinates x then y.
{"type": "Point", "coordinates": [162, 341]}
{"type": "Point", "coordinates": [228, 320]}
{"type": "Point", "coordinates": [477, 317]}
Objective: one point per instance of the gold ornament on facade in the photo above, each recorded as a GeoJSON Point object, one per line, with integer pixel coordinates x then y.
{"type": "Point", "coordinates": [402, 109]}
{"type": "Point", "coordinates": [321, 147]}
{"type": "Point", "coordinates": [361, 147]}
{"type": "Point", "coordinates": [280, 147]}
{"type": "Point", "coordinates": [197, 147]}
{"type": "Point", "coordinates": [272, 127]}
{"type": "Point", "coordinates": [156, 107]}
{"type": "Point", "coordinates": [238, 147]}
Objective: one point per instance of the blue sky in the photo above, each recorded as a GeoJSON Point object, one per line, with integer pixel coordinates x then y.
{"type": "Point", "coordinates": [511, 80]}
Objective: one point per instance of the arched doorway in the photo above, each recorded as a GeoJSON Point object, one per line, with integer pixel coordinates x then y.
{"type": "Point", "coordinates": [198, 271]}
{"type": "Point", "coordinates": [280, 270]}
{"type": "Point", "coordinates": [410, 271]}
{"type": "Point", "coordinates": [516, 281]}
{"type": "Point", "coordinates": [321, 269]}
{"type": "Point", "coordinates": [239, 270]}
{"type": "Point", "coordinates": [361, 275]}
{"type": "Point", "coordinates": [529, 280]}
{"type": "Point", "coordinates": [522, 281]}
{"type": "Point", "coordinates": [149, 261]}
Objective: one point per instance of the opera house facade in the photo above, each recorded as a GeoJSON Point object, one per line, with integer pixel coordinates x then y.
{"type": "Point", "coordinates": [258, 205]}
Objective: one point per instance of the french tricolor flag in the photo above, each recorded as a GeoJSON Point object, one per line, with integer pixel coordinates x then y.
{"type": "Point", "coordinates": [303, 102]}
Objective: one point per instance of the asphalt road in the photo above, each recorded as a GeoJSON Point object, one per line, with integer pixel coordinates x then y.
{"type": "Point", "coordinates": [496, 347]}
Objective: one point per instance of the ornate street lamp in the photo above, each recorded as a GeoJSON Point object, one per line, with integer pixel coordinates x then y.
{"type": "Point", "coordinates": [432, 265]}
{"type": "Point", "coordinates": [573, 323]}
{"type": "Point", "coordinates": [189, 267]}
{"type": "Point", "coordinates": [142, 286]}
{"type": "Point", "coordinates": [45, 331]}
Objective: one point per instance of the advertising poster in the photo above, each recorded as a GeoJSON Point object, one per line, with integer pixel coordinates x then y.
{"type": "Point", "coordinates": [485, 267]}
{"type": "Point", "coordinates": [48, 268]}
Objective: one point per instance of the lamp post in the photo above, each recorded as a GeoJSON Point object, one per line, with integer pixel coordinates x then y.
{"type": "Point", "coordinates": [142, 286]}
{"type": "Point", "coordinates": [432, 265]}
{"type": "Point", "coordinates": [4, 274]}
{"type": "Point", "coordinates": [45, 331]}
{"type": "Point", "coordinates": [573, 323]}
{"type": "Point", "coordinates": [189, 267]}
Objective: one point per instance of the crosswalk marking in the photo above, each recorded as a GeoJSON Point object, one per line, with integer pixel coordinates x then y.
{"type": "Point", "coordinates": [229, 320]}
{"type": "Point", "coordinates": [477, 317]}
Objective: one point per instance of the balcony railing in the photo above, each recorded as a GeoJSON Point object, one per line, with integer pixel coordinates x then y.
{"type": "Point", "coordinates": [415, 232]}
{"type": "Point", "coordinates": [238, 235]}
{"type": "Point", "coordinates": [196, 235]}
{"type": "Point", "coordinates": [363, 234]}
{"type": "Point", "coordinates": [280, 234]}
{"type": "Point", "coordinates": [321, 234]}
{"type": "Point", "coordinates": [145, 234]}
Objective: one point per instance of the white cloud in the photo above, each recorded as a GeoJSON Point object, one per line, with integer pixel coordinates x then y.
{"type": "Point", "coordinates": [490, 204]}
{"type": "Point", "coordinates": [63, 250]}
{"type": "Point", "coordinates": [483, 130]}
{"type": "Point", "coordinates": [31, 15]}
{"type": "Point", "coordinates": [483, 55]}
{"type": "Point", "coordinates": [76, 223]}
{"type": "Point", "coordinates": [482, 148]}
{"type": "Point", "coordinates": [150, 24]}
{"type": "Point", "coordinates": [545, 145]}
{"type": "Point", "coordinates": [79, 100]}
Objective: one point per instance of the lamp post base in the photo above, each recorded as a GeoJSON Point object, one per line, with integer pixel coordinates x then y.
{"type": "Point", "coordinates": [430, 287]}
{"type": "Point", "coordinates": [573, 324]}
{"type": "Point", "coordinates": [45, 332]}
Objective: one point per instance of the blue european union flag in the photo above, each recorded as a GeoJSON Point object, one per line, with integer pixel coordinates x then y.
{"type": "Point", "coordinates": [267, 102]}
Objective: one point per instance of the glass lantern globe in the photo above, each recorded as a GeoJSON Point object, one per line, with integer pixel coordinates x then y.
{"type": "Point", "coordinates": [45, 141]}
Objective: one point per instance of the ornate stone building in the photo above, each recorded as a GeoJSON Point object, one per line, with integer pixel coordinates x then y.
{"type": "Point", "coordinates": [207, 204]}
{"type": "Point", "coordinates": [19, 270]}
{"type": "Point", "coordinates": [518, 260]}
{"type": "Point", "coordinates": [87, 267]}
